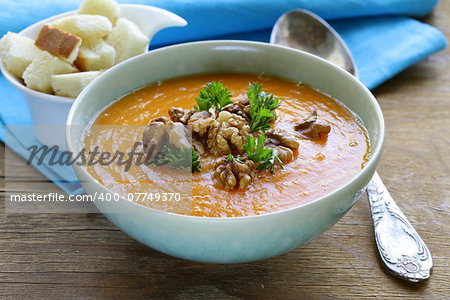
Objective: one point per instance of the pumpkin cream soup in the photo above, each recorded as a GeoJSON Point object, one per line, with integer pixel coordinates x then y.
{"type": "Point", "coordinates": [252, 144]}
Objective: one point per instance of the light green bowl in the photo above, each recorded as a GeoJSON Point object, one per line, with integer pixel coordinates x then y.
{"type": "Point", "coordinates": [238, 239]}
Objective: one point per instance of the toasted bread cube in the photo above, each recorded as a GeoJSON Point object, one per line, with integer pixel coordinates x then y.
{"type": "Point", "coordinates": [59, 43]}
{"type": "Point", "coordinates": [127, 39]}
{"type": "Point", "coordinates": [71, 85]}
{"type": "Point", "coordinates": [95, 56]}
{"type": "Point", "coordinates": [5, 42]}
{"type": "Point", "coordinates": [38, 74]}
{"type": "Point", "coordinates": [17, 52]}
{"type": "Point", "coordinates": [87, 27]}
{"type": "Point", "coordinates": [107, 8]}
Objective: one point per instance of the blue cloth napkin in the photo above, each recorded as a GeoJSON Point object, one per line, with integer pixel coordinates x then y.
{"type": "Point", "coordinates": [381, 34]}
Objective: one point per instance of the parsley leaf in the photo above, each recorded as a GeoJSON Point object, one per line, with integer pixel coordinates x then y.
{"type": "Point", "coordinates": [231, 158]}
{"type": "Point", "coordinates": [257, 152]}
{"type": "Point", "coordinates": [262, 106]}
{"type": "Point", "coordinates": [178, 158]}
{"type": "Point", "coordinates": [195, 162]}
{"type": "Point", "coordinates": [213, 95]}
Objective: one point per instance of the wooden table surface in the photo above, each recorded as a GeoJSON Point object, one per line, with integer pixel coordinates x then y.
{"type": "Point", "coordinates": [54, 256]}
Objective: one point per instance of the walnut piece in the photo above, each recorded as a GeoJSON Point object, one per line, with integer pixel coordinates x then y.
{"type": "Point", "coordinates": [162, 132]}
{"type": "Point", "coordinates": [229, 136]}
{"type": "Point", "coordinates": [201, 122]}
{"type": "Point", "coordinates": [241, 107]}
{"type": "Point", "coordinates": [283, 143]}
{"type": "Point", "coordinates": [198, 147]}
{"type": "Point", "coordinates": [284, 153]}
{"type": "Point", "coordinates": [221, 134]}
{"type": "Point", "coordinates": [312, 128]}
{"type": "Point", "coordinates": [280, 136]}
{"type": "Point", "coordinates": [178, 135]}
{"type": "Point", "coordinates": [177, 114]}
{"type": "Point", "coordinates": [231, 174]}
{"type": "Point", "coordinates": [154, 137]}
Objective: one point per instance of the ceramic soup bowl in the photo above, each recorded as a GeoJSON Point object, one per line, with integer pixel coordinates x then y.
{"type": "Point", "coordinates": [234, 239]}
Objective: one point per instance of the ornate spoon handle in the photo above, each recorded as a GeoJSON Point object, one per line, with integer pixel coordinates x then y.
{"type": "Point", "coordinates": [401, 249]}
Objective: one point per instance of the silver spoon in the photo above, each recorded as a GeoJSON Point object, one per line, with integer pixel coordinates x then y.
{"type": "Point", "coordinates": [401, 249]}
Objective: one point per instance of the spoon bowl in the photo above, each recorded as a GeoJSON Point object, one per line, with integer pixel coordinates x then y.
{"type": "Point", "coordinates": [304, 30]}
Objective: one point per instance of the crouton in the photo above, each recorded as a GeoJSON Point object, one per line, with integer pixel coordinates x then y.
{"type": "Point", "coordinates": [71, 85]}
{"type": "Point", "coordinates": [95, 56]}
{"type": "Point", "coordinates": [107, 8]}
{"type": "Point", "coordinates": [17, 52]}
{"type": "Point", "coordinates": [59, 43]}
{"type": "Point", "coordinates": [87, 27]}
{"type": "Point", "coordinates": [38, 74]}
{"type": "Point", "coordinates": [5, 42]}
{"type": "Point", "coordinates": [127, 39]}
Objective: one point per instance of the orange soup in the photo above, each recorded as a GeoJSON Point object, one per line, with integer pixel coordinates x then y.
{"type": "Point", "coordinates": [317, 167]}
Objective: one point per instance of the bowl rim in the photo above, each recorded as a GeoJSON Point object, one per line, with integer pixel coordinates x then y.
{"type": "Point", "coordinates": [372, 162]}
{"type": "Point", "coordinates": [12, 79]}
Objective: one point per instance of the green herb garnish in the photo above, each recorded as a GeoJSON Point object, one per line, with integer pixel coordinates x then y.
{"type": "Point", "coordinates": [178, 158]}
{"type": "Point", "coordinates": [213, 95]}
{"type": "Point", "coordinates": [195, 162]}
{"type": "Point", "coordinates": [230, 158]}
{"type": "Point", "coordinates": [262, 106]}
{"type": "Point", "coordinates": [257, 152]}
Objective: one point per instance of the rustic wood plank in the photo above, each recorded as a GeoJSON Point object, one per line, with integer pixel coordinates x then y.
{"type": "Point", "coordinates": [57, 256]}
